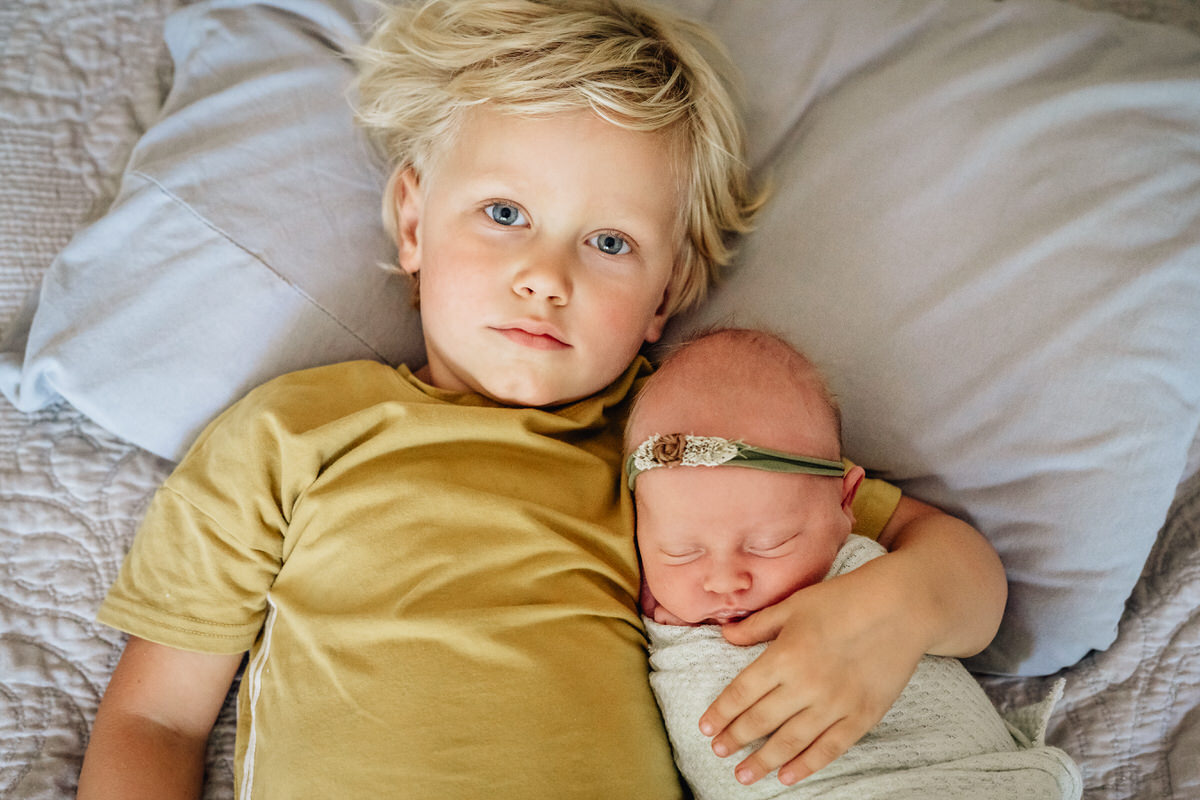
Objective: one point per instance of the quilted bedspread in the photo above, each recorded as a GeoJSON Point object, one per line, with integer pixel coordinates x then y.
{"type": "Point", "coordinates": [79, 79]}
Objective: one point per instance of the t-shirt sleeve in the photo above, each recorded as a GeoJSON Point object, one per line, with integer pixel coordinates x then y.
{"type": "Point", "coordinates": [873, 506]}
{"type": "Point", "coordinates": [188, 582]}
{"type": "Point", "coordinates": [198, 573]}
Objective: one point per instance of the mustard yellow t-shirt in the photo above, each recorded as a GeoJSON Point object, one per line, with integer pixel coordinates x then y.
{"type": "Point", "coordinates": [437, 592]}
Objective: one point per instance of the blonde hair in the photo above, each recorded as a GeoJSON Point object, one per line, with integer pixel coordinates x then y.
{"type": "Point", "coordinates": [638, 68]}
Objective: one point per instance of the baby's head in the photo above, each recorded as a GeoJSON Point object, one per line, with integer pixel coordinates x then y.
{"type": "Point", "coordinates": [627, 101]}
{"type": "Point", "coordinates": [720, 542]}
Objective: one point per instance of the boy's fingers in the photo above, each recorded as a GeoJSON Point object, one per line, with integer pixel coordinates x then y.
{"type": "Point", "coordinates": [761, 626]}
{"type": "Point", "coordinates": [825, 749]}
{"type": "Point", "coordinates": [785, 746]}
{"type": "Point", "coordinates": [802, 747]}
{"type": "Point", "coordinates": [761, 719]}
{"type": "Point", "coordinates": [741, 694]}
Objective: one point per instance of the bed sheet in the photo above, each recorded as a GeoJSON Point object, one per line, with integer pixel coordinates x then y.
{"type": "Point", "coordinates": [79, 80]}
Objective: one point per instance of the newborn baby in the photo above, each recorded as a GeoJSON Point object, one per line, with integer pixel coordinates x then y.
{"type": "Point", "coordinates": [742, 498]}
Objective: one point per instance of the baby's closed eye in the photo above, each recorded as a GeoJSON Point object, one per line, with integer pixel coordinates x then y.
{"type": "Point", "coordinates": [680, 556]}
{"type": "Point", "coordinates": [773, 547]}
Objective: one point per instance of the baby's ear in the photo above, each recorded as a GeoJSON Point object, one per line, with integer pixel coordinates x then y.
{"type": "Point", "coordinates": [850, 483]}
{"type": "Point", "coordinates": [404, 190]}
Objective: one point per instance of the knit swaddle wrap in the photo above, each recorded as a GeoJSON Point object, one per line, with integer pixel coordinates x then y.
{"type": "Point", "coordinates": [942, 737]}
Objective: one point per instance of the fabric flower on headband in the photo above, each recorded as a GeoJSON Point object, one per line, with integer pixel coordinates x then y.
{"type": "Point", "coordinates": [685, 450]}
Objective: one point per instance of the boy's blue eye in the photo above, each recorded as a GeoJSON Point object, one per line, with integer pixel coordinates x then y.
{"type": "Point", "coordinates": [505, 214]}
{"type": "Point", "coordinates": [611, 243]}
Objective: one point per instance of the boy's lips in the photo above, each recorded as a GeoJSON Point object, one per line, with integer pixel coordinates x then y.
{"type": "Point", "coordinates": [536, 335]}
{"type": "Point", "coordinates": [729, 615]}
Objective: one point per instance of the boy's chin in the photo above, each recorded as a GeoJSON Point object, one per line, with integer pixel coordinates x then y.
{"type": "Point", "coordinates": [537, 394]}
{"type": "Point", "coordinates": [531, 399]}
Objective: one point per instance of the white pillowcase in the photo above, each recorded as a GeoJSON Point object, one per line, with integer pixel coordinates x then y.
{"type": "Point", "coordinates": [986, 228]}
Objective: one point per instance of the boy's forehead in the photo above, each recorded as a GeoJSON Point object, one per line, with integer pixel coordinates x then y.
{"type": "Point", "coordinates": [510, 144]}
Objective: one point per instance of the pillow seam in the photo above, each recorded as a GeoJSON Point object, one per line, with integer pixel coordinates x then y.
{"type": "Point", "coordinates": [220, 232]}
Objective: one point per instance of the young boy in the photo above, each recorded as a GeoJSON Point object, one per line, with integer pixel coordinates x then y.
{"type": "Point", "coordinates": [434, 573]}
{"type": "Point", "coordinates": [742, 500]}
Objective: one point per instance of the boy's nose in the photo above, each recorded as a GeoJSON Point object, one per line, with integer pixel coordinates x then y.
{"type": "Point", "coordinates": [546, 278]}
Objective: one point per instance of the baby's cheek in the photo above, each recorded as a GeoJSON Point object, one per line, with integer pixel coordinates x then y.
{"type": "Point", "coordinates": [786, 580]}
{"type": "Point", "coordinates": [672, 590]}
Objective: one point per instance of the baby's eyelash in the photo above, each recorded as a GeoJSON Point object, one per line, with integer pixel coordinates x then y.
{"type": "Point", "coordinates": [772, 547]}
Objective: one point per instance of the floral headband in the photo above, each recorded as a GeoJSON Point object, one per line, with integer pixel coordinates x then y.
{"type": "Point", "coordinates": [680, 449]}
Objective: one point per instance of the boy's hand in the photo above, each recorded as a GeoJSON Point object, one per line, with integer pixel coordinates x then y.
{"type": "Point", "coordinates": [844, 649]}
{"type": "Point", "coordinates": [838, 661]}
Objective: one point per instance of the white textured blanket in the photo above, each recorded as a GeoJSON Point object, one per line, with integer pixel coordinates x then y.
{"type": "Point", "coordinates": [943, 738]}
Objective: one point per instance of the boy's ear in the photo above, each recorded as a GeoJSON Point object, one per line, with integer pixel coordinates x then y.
{"type": "Point", "coordinates": [850, 483]}
{"type": "Point", "coordinates": [406, 200]}
{"type": "Point", "coordinates": [658, 322]}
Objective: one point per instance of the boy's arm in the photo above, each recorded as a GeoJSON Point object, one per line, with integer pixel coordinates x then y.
{"type": "Point", "coordinates": [152, 727]}
{"type": "Point", "coordinates": [845, 648]}
{"type": "Point", "coordinates": [964, 584]}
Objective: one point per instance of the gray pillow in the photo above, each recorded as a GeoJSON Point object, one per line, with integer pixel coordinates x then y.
{"type": "Point", "coordinates": [986, 228]}
{"type": "Point", "coordinates": [245, 241]}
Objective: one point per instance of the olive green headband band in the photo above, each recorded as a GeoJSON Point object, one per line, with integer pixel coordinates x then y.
{"type": "Point", "coordinates": [679, 449]}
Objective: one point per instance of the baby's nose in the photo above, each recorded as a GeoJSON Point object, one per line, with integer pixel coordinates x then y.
{"type": "Point", "coordinates": [727, 579]}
